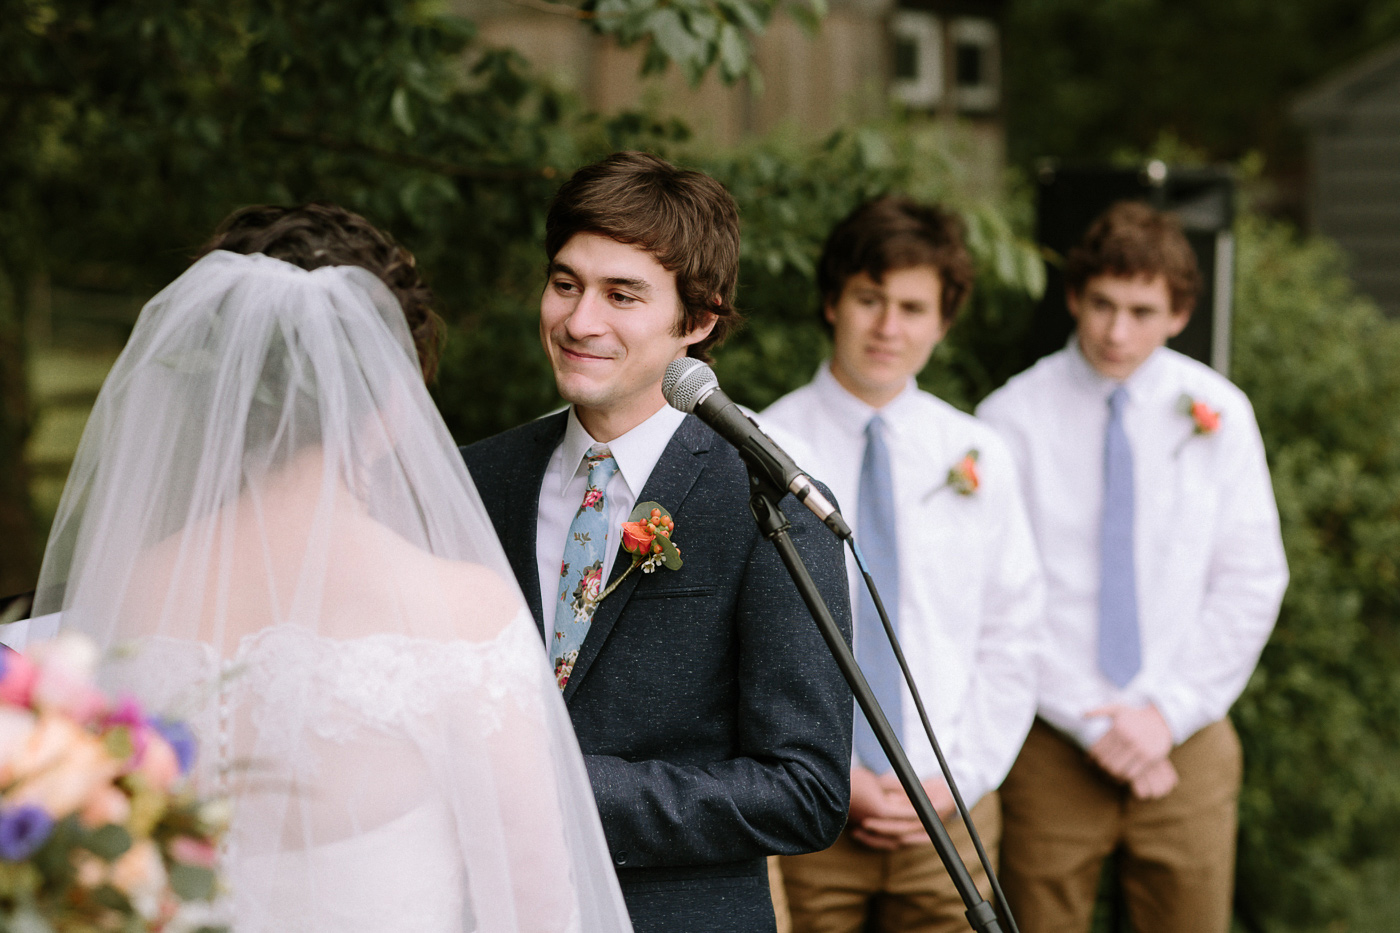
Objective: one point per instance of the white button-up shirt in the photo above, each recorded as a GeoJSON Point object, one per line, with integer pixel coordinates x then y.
{"type": "Point", "coordinates": [970, 592]}
{"type": "Point", "coordinates": [566, 478]}
{"type": "Point", "coordinates": [1209, 557]}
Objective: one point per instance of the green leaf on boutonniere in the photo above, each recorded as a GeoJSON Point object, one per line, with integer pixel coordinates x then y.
{"type": "Point", "coordinates": [643, 509]}
{"type": "Point", "coordinates": [671, 558]}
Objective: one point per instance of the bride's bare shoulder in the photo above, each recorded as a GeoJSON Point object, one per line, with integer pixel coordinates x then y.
{"type": "Point", "coordinates": [483, 602]}
{"type": "Point", "coordinates": [441, 598]}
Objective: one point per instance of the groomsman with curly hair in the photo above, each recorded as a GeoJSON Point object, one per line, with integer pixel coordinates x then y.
{"type": "Point", "coordinates": [1145, 477]}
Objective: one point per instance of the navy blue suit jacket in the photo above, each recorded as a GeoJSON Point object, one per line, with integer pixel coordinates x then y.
{"type": "Point", "coordinates": [714, 723]}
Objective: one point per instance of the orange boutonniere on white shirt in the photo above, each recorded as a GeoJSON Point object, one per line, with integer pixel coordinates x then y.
{"type": "Point", "coordinates": [1205, 420]}
{"type": "Point", "coordinates": [963, 477]}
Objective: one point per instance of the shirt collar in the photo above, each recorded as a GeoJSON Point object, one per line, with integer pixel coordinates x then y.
{"type": "Point", "coordinates": [636, 452]}
{"type": "Point", "coordinates": [852, 413]}
{"type": "Point", "coordinates": [1140, 384]}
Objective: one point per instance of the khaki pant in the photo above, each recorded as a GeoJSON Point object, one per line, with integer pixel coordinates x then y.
{"type": "Point", "coordinates": [1064, 816]}
{"type": "Point", "coordinates": [832, 891]}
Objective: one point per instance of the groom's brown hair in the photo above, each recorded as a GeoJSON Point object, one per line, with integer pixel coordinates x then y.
{"type": "Point", "coordinates": [685, 219]}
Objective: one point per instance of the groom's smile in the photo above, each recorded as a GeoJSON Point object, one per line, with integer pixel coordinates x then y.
{"type": "Point", "coordinates": [608, 321]}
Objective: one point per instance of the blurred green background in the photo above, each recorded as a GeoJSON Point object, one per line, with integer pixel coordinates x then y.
{"type": "Point", "coordinates": [127, 131]}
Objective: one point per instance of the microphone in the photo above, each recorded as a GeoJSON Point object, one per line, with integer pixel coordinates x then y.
{"type": "Point", "coordinates": [691, 386]}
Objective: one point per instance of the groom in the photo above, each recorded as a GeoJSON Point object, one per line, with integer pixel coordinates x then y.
{"type": "Point", "coordinates": [714, 723]}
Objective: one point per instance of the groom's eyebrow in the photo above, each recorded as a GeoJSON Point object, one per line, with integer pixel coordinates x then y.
{"type": "Point", "coordinates": [636, 285]}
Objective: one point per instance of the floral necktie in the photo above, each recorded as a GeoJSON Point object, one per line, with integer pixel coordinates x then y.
{"type": "Point", "coordinates": [581, 575]}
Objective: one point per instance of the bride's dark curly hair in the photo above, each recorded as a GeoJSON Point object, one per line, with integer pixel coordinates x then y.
{"type": "Point", "coordinates": [318, 234]}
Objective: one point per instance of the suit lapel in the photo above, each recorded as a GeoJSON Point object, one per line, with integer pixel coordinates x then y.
{"type": "Point", "coordinates": [518, 538]}
{"type": "Point", "coordinates": [669, 484]}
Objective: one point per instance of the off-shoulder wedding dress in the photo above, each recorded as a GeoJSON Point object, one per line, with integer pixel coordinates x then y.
{"type": "Point", "coordinates": [269, 526]}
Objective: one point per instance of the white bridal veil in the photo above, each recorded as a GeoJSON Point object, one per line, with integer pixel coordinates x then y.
{"type": "Point", "coordinates": [270, 527]}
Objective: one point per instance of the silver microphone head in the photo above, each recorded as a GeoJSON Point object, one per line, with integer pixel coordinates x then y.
{"type": "Point", "coordinates": [686, 382]}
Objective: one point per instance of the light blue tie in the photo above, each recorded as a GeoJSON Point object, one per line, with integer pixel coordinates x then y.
{"type": "Point", "coordinates": [581, 575]}
{"type": "Point", "coordinates": [876, 533]}
{"type": "Point", "coordinates": [1120, 652]}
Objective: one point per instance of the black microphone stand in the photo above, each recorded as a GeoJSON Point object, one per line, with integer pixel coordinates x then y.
{"type": "Point", "coordinates": [773, 525]}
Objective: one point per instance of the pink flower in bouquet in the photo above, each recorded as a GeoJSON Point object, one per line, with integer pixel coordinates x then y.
{"type": "Point", "coordinates": [140, 875]}
{"type": "Point", "coordinates": [16, 727]}
{"type": "Point", "coordinates": [193, 851]}
{"type": "Point", "coordinates": [66, 666]}
{"type": "Point", "coordinates": [157, 761]}
{"type": "Point", "coordinates": [16, 679]}
{"type": "Point", "coordinates": [61, 767]}
{"type": "Point", "coordinates": [107, 805]}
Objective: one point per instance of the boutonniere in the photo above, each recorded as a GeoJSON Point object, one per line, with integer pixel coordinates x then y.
{"type": "Point", "coordinates": [646, 535]}
{"type": "Point", "coordinates": [963, 477]}
{"type": "Point", "coordinates": [1205, 420]}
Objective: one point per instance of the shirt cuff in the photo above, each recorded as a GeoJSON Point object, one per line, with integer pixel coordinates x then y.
{"type": "Point", "coordinates": [1180, 709]}
{"type": "Point", "coordinates": [1083, 731]}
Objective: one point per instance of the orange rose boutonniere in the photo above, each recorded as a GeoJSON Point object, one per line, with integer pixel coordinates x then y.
{"type": "Point", "coordinates": [646, 535]}
{"type": "Point", "coordinates": [1205, 420]}
{"type": "Point", "coordinates": [963, 477]}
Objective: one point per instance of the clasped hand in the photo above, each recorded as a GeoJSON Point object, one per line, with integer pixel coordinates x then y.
{"type": "Point", "coordinates": [1135, 749]}
{"type": "Point", "coordinates": [882, 815]}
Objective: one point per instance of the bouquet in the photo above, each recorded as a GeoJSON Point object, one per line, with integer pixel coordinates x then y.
{"type": "Point", "coordinates": [97, 830]}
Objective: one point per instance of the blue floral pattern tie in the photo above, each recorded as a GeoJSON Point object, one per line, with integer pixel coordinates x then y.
{"type": "Point", "coordinates": [581, 574]}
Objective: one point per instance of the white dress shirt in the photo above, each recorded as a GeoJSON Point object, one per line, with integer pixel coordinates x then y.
{"type": "Point", "coordinates": [1209, 557]}
{"type": "Point", "coordinates": [970, 591]}
{"type": "Point", "coordinates": [565, 479]}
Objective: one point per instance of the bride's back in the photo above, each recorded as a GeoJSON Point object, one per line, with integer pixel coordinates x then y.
{"type": "Point", "coordinates": [301, 548]}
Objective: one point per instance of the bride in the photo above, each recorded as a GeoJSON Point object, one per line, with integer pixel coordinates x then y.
{"type": "Point", "coordinates": [268, 519]}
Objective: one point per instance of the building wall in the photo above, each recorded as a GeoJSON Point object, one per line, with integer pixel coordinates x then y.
{"type": "Point", "coordinates": [1354, 194]}
{"type": "Point", "coordinates": [811, 83]}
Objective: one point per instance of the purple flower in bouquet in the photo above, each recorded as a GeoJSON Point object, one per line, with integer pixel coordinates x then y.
{"type": "Point", "coordinates": [181, 739]}
{"type": "Point", "coordinates": [22, 830]}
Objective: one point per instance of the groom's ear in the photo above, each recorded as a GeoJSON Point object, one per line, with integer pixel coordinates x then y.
{"type": "Point", "coordinates": [702, 330]}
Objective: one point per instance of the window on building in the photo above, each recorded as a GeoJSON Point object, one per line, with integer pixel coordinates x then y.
{"type": "Point", "coordinates": [918, 58]}
{"type": "Point", "coordinates": [976, 65]}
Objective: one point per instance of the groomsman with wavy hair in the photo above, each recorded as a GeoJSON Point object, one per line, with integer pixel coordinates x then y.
{"type": "Point", "coordinates": [932, 494]}
{"type": "Point", "coordinates": [1147, 486]}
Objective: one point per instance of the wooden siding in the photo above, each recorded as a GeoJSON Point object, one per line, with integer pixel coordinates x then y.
{"type": "Point", "coordinates": [1354, 195]}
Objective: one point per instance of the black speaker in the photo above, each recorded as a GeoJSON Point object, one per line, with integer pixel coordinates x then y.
{"type": "Point", "coordinates": [1068, 200]}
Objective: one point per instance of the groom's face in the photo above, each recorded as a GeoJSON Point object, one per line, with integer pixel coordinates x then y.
{"type": "Point", "coordinates": [608, 320]}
